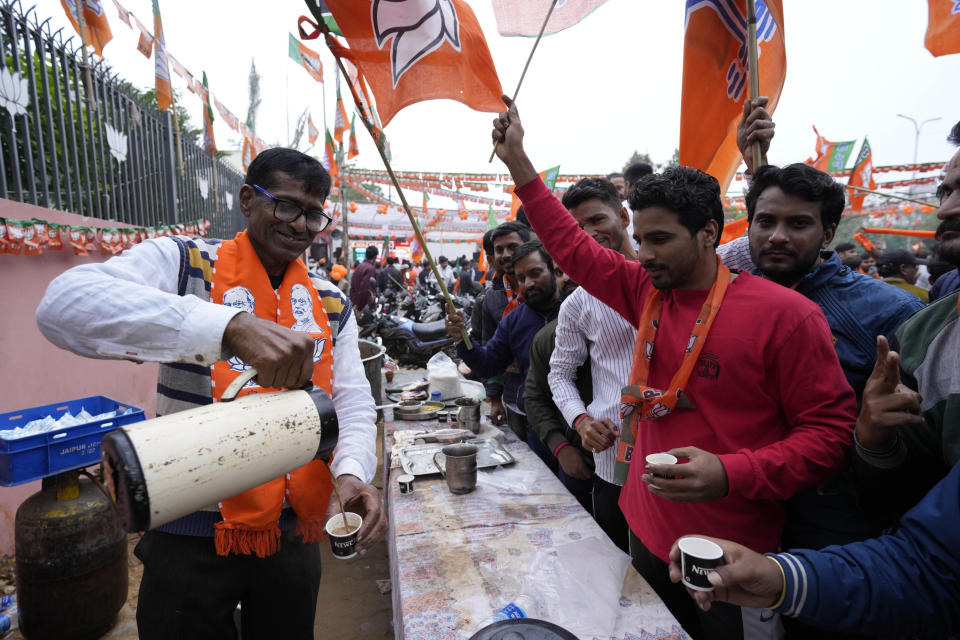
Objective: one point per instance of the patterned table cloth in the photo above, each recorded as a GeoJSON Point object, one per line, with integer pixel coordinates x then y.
{"type": "Point", "coordinates": [457, 559]}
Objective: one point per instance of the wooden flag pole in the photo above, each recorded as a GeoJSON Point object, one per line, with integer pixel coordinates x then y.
{"type": "Point", "coordinates": [382, 150]}
{"type": "Point", "coordinates": [753, 68]}
{"type": "Point", "coordinates": [176, 130]}
{"type": "Point", "coordinates": [890, 195]}
{"type": "Point", "coordinates": [526, 66]}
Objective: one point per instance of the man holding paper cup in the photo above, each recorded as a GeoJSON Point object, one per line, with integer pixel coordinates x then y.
{"type": "Point", "coordinates": [208, 311]}
{"type": "Point", "coordinates": [734, 375]}
{"type": "Point", "coordinates": [896, 585]}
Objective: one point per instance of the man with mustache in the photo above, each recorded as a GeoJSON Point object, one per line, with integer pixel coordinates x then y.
{"type": "Point", "coordinates": [908, 435]}
{"type": "Point", "coordinates": [735, 376]}
{"type": "Point", "coordinates": [502, 298]}
{"type": "Point", "coordinates": [534, 271]}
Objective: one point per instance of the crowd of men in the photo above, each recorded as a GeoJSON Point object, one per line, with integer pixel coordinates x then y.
{"type": "Point", "coordinates": [810, 392]}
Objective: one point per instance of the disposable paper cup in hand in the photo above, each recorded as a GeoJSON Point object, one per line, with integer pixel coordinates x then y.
{"type": "Point", "coordinates": [344, 542]}
{"type": "Point", "coordinates": [698, 557]}
{"type": "Point", "coordinates": [661, 458]}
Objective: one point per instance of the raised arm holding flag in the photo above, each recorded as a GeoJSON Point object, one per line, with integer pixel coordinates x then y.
{"type": "Point", "coordinates": [387, 43]}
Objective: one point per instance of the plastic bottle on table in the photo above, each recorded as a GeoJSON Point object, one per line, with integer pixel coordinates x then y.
{"type": "Point", "coordinates": [523, 606]}
{"type": "Point", "coordinates": [9, 620]}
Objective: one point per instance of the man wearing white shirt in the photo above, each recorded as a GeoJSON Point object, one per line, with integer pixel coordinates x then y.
{"type": "Point", "coordinates": [588, 328]}
{"type": "Point", "coordinates": [446, 272]}
{"type": "Point", "coordinates": [207, 310]}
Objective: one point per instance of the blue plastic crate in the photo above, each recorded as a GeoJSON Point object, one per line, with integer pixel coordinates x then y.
{"type": "Point", "coordinates": [46, 454]}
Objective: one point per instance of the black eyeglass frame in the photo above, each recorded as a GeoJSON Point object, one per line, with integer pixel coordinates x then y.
{"type": "Point", "coordinates": [324, 219]}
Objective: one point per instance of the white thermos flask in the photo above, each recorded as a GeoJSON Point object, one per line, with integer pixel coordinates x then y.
{"type": "Point", "coordinates": [163, 469]}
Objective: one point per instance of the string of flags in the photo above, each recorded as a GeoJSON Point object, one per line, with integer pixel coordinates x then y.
{"type": "Point", "coordinates": [33, 237]}
{"type": "Point", "coordinates": [154, 44]}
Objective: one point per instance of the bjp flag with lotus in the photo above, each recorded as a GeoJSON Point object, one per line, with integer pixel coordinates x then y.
{"type": "Point", "coordinates": [943, 27]}
{"type": "Point", "coordinates": [413, 50]}
{"type": "Point", "coordinates": [97, 30]}
{"type": "Point", "coordinates": [715, 79]}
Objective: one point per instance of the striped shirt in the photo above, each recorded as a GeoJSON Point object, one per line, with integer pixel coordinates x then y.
{"type": "Point", "coordinates": [585, 327]}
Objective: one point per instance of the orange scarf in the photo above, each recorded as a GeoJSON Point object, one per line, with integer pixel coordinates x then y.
{"type": "Point", "coordinates": [513, 298]}
{"type": "Point", "coordinates": [643, 402]}
{"type": "Point", "coordinates": [251, 519]}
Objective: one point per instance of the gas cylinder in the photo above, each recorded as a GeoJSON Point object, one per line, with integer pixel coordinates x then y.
{"type": "Point", "coordinates": [71, 564]}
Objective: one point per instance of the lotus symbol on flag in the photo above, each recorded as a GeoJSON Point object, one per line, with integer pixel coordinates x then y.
{"type": "Point", "coordinates": [117, 141]}
{"type": "Point", "coordinates": [14, 95]}
{"type": "Point", "coordinates": [418, 27]}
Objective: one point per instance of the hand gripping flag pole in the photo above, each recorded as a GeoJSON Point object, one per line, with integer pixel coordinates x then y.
{"type": "Point", "coordinates": [526, 66]}
{"type": "Point", "coordinates": [753, 62]}
{"type": "Point", "coordinates": [365, 111]}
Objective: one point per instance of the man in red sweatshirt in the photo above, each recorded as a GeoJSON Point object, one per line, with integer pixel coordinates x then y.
{"type": "Point", "coordinates": [734, 375]}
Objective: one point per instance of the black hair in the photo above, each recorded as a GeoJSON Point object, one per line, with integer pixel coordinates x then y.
{"type": "Point", "coordinates": [530, 247]}
{"type": "Point", "coordinates": [488, 242]}
{"type": "Point", "coordinates": [522, 216]}
{"type": "Point", "coordinates": [636, 171]}
{"type": "Point", "coordinates": [615, 174]}
{"type": "Point", "coordinates": [801, 181]}
{"type": "Point", "coordinates": [954, 137]}
{"type": "Point", "coordinates": [592, 189]}
{"type": "Point", "coordinates": [442, 259]}
{"type": "Point", "coordinates": [371, 251]}
{"type": "Point", "coordinates": [844, 246]}
{"type": "Point", "coordinates": [690, 193]}
{"type": "Point", "coordinates": [262, 171]}
{"type": "Point", "coordinates": [866, 254]}
{"type": "Point", "coordinates": [507, 228]}
{"type": "Point", "coordinates": [937, 268]}
{"type": "Point", "coordinates": [888, 269]}
{"type": "Point", "coordinates": [852, 261]}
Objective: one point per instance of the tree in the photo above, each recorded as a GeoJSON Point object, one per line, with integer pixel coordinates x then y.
{"type": "Point", "coordinates": [657, 166]}
{"type": "Point", "coordinates": [638, 157]}
{"type": "Point", "coordinates": [254, 102]}
{"type": "Point", "coordinates": [299, 129]}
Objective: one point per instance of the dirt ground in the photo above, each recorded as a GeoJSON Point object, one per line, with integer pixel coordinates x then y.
{"type": "Point", "coordinates": [354, 600]}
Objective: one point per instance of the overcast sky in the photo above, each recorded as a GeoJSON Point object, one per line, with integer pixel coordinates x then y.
{"type": "Point", "coordinates": [594, 93]}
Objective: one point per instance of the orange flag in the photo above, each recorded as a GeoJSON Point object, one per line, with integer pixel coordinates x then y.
{"type": "Point", "coordinates": [97, 32]}
{"type": "Point", "coordinates": [943, 27]}
{"type": "Point", "coordinates": [339, 119]}
{"type": "Point", "coordinates": [354, 150]}
{"type": "Point", "coordinates": [715, 79]}
{"type": "Point", "coordinates": [733, 230]}
{"type": "Point", "coordinates": [161, 68]}
{"type": "Point", "coordinates": [330, 158]}
{"type": "Point", "coordinates": [418, 50]}
{"type": "Point", "coordinates": [861, 176]}
{"type": "Point", "coordinates": [312, 132]}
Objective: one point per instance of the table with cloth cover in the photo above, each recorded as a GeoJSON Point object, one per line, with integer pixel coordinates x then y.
{"type": "Point", "coordinates": [455, 560]}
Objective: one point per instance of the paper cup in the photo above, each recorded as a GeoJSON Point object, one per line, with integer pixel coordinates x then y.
{"type": "Point", "coordinates": [661, 458]}
{"type": "Point", "coordinates": [344, 543]}
{"type": "Point", "coordinates": [406, 483]}
{"type": "Point", "coordinates": [698, 557]}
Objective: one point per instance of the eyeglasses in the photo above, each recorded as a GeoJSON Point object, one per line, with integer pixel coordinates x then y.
{"type": "Point", "coordinates": [289, 211]}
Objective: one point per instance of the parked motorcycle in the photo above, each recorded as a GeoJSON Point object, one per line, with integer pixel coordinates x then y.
{"type": "Point", "coordinates": [412, 343]}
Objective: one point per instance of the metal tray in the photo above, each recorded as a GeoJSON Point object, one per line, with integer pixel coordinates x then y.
{"type": "Point", "coordinates": [417, 459]}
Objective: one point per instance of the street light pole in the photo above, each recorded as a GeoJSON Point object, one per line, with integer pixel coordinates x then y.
{"type": "Point", "coordinates": [916, 142]}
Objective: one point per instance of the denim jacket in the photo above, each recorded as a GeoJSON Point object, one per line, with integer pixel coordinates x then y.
{"type": "Point", "coordinates": [858, 309]}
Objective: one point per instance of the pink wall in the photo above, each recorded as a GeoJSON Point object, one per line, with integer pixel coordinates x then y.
{"type": "Point", "coordinates": [33, 371]}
